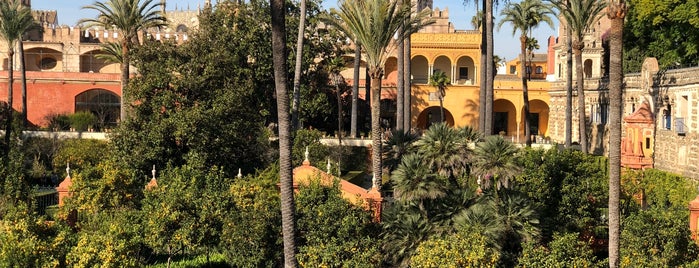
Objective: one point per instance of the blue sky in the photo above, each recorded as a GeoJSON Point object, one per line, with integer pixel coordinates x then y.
{"type": "Point", "coordinates": [506, 45]}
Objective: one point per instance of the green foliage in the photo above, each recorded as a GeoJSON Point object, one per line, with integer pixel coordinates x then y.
{"type": "Point", "coordinates": [334, 232]}
{"type": "Point", "coordinates": [104, 187]}
{"type": "Point", "coordinates": [82, 121]}
{"type": "Point", "coordinates": [80, 154]}
{"type": "Point", "coordinates": [569, 187]}
{"type": "Point", "coordinates": [111, 238]}
{"type": "Point", "coordinates": [251, 235]}
{"type": "Point", "coordinates": [666, 30]}
{"type": "Point", "coordinates": [202, 103]}
{"type": "Point", "coordinates": [657, 237]}
{"type": "Point", "coordinates": [198, 261]}
{"type": "Point", "coordinates": [317, 152]}
{"type": "Point", "coordinates": [58, 122]}
{"type": "Point", "coordinates": [30, 241]}
{"type": "Point", "coordinates": [661, 189]}
{"type": "Point", "coordinates": [457, 250]}
{"type": "Point", "coordinates": [185, 211]}
{"type": "Point", "coordinates": [565, 250]}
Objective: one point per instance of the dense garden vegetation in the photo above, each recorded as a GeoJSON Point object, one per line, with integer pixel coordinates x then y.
{"type": "Point", "coordinates": [200, 112]}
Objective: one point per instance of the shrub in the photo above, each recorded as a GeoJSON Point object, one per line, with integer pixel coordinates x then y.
{"type": "Point", "coordinates": [58, 122]}
{"type": "Point", "coordinates": [81, 121]}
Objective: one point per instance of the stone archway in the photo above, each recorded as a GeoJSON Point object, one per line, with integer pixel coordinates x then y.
{"type": "Point", "coordinates": [539, 118]}
{"type": "Point", "coordinates": [587, 69]}
{"type": "Point", "coordinates": [430, 116]}
{"type": "Point", "coordinates": [465, 71]}
{"type": "Point", "coordinates": [442, 63]}
{"type": "Point", "coordinates": [43, 59]}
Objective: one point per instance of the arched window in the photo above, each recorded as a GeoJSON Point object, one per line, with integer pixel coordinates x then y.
{"type": "Point", "coordinates": [539, 70]}
{"type": "Point", "coordinates": [102, 103]}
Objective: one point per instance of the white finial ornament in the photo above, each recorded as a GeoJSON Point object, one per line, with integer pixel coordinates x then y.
{"type": "Point", "coordinates": [306, 154]}
{"type": "Point", "coordinates": [68, 169]}
{"type": "Point", "coordinates": [329, 167]}
{"type": "Point", "coordinates": [153, 172]}
{"type": "Point", "coordinates": [240, 174]}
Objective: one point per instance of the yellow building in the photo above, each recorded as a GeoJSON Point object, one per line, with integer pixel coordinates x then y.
{"type": "Point", "coordinates": [440, 47]}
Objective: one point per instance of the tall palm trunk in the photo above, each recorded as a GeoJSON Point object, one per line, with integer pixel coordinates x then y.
{"type": "Point", "coordinates": [297, 69]}
{"type": "Point", "coordinates": [569, 90]}
{"type": "Point", "coordinates": [407, 85]}
{"type": "Point", "coordinates": [23, 73]}
{"type": "Point", "coordinates": [339, 125]}
{"type": "Point", "coordinates": [10, 82]}
{"type": "Point", "coordinates": [489, 70]}
{"type": "Point", "coordinates": [483, 75]}
{"type": "Point", "coordinates": [616, 12]}
{"type": "Point", "coordinates": [285, 174]}
{"type": "Point", "coordinates": [578, 46]}
{"type": "Point", "coordinates": [124, 76]}
{"type": "Point", "coordinates": [525, 92]}
{"type": "Point", "coordinates": [400, 84]}
{"type": "Point", "coordinates": [441, 107]}
{"type": "Point", "coordinates": [355, 89]}
{"type": "Point", "coordinates": [375, 74]}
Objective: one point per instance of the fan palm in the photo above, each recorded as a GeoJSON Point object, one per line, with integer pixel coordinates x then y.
{"type": "Point", "coordinates": [373, 23]}
{"type": "Point", "coordinates": [15, 20]}
{"type": "Point", "coordinates": [414, 182]}
{"type": "Point", "coordinates": [580, 16]}
{"type": "Point", "coordinates": [440, 81]}
{"type": "Point", "coordinates": [129, 17]}
{"type": "Point", "coordinates": [524, 16]}
{"type": "Point", "coordinates": [397, 145]}
{"type": "Point", "coordinates": [403, 231]}
{"type": "Point", "coordinates": [616, 12]}
{"type": "Point", "coordinates": [495, 159]}
{"type": "Point", "coordinates": [111, 52]}
{"type": "Point", "coordinates": [445, 151]}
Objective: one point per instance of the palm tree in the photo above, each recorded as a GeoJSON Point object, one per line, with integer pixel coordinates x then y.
{"type": "Point", "coordinates": [397, 145]}
{"type": "Point", "coordinates": [403, 230]}
{"type": "Point", "coordinates": [278, 9]}
{"type": "Point", "coordinates": [616, 12]}
{"type": "Point", "coordinates": [355, 89]}
{"type": "Point", "coordinates": [440, 81]}
{"type": "Point", "coordinates": [15, 20]}
{"type": "Point", "coordinates": [414, 182]}
{"type": "Point", "coordinates": [111, 52]}
{"type": "Point", "coordinates": [374, 23]}
{"type": "Point", "coordinates": [129, 17]}
{"type": "Point", "coordinates": [335, 66]}
{"type": "Point", "coordinates": [532, 45]}
{"type": "Point", "coordinates": [579, 16]}
{"type": "Point", "coordinates": [488, 66]}
{"type": "Point", "coordinates": [524, 16]}
{"type": "Point", "coordinates": [297, 69]}
{"type": "Point", "coordinates": [495, 159]}
{"type": "Point", "coordinates": [445, 150]}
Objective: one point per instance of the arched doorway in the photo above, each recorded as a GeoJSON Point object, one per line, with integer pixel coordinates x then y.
{"type": "Point", "coordinates": [465, 71]}
{"type": "Point", "coordinates": [102, 103]}
{"type": "Point", "coordinates": [588, 68]}
{"type": "Point", "coordinates": [538, 118]}
{"type": "Point", "coordinates": [430, 116]}
{"type": "Point", "coordinates": [391, 70]}
{"type": "Point", "coordinates": [442, 63]}
{"type": "Point", "coordinates": [504, 118]}
{"type": "Point", "coordinates": [419, 69]}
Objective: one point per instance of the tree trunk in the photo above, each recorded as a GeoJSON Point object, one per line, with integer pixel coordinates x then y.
{"type": "Point", "coordinates": [285, 174]}
{"type": "Point", "coordinates": [124, 76]}
{"type": "Point", "coordinates": [400, 82]}
{"type": "Point", "coordinates": [297, 69]}
{"type": "Point", "coordinates": [355, 89]}
{"type": "Point", "coordinates": [489, 70]}
{"type": "Point", "coordinates": [339, 126]}
{"type": "Point", "coordinates": [616, 12]}
{"type": "Point", "coordinates": [441, 107]}
{"type": "Point", "coordinates": [407, 86]}
{"type": "Point", "coordinates": [582, 122]}
{"type": "Point", "coordinates": [23, 73]}
{"type": "Point", "coordinates": [525, 92]}
{"type": "Point", "coordinates": [483, 76]}
{"type": "Point", "coordinates": [569, 91]}
{"type": "Point", "coordinates": [10, 83]}
{"type": "Point", "coordinates": [375, 75]}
